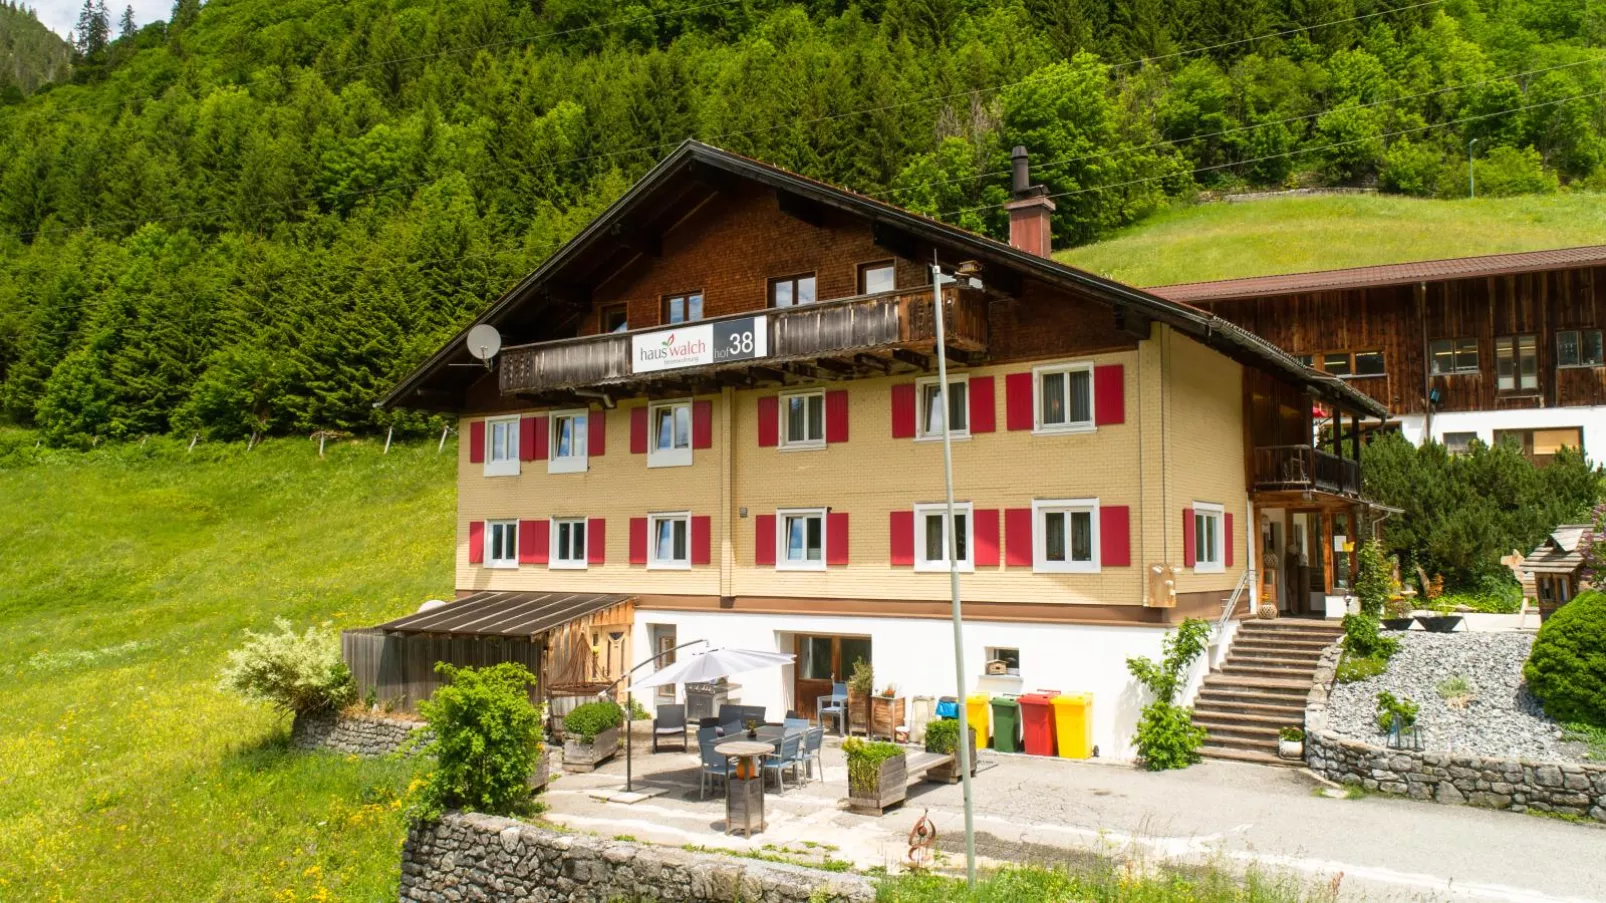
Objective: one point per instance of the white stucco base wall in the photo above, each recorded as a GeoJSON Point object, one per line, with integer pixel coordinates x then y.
{"type": "Point", "coordinates": [917, 656]}
{"type": "Point", "coordinates": [1484, 423]}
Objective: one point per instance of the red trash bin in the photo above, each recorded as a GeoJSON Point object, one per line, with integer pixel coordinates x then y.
{"type": "Point", "coordinates": [1037, 722]}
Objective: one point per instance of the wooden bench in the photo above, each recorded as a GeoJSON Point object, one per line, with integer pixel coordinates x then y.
{"type": "Point", "coordinates": [923, 762]}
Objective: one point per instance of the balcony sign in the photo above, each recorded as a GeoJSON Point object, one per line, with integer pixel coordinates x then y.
{"type": "Point", "coordinates": [699, 344]}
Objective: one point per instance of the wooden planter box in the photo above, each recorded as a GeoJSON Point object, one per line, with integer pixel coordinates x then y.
{"type": "Point", "coordinates": [858, 712]}
{"type": "Point", "coordinates": [543, 770]}
{"type": "Point", "coordinates": [891, 786]}
{"type": "Point", "coordinates": [950, 772]}
{"type": "Point", "coordinates": [579, 756]}
{"type": "Point", "coordinates": [886, 713]}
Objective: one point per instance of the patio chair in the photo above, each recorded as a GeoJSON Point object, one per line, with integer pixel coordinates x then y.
{"type": "Point", "coordinates": [794, 723]}
{"type": "Point", "coordinates": [714, 765]}
{"type": "Point", "coordinates": [707, 734]}
{"type": "Point", "coordinates": [669, 724]}
{"type": "Point", "coordinates": [814, 750]}
{"type": "Point", "coordinates": [788, 757]}
{"type": "Point", "coordinates": [834, 707]}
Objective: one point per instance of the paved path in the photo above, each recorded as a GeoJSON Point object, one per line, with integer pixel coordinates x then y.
{"type": "Point", "coordinates": [1239, 815]}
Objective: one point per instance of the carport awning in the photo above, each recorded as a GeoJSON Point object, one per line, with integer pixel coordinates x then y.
{"type": "Point", "coordinates": [506, 614]}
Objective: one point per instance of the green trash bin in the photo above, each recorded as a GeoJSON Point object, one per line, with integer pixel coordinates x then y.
{"type": "Point", "coordinates": [1006, 724]}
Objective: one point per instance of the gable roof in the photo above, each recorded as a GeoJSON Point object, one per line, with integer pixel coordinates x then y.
{"type": "Point", "coordinates": [1562, 552]}
{"type": "Point", "coordinates": [1386, 274]}
{"type": "Point", "coordinates": [656, 199]}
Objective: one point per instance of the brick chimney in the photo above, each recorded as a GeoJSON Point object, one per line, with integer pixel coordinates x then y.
{"type": "Point", "coordinates": [1030, 212]}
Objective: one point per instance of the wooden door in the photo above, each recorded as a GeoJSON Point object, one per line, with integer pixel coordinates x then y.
{"type": "Point", "coordinates": [814, 672]}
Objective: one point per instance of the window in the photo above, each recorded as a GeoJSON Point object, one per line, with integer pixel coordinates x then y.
{"type": "Point", "coordinates": [502, 544]}
{"type": "Point", "coordinates": [875, 278]}
{"type": "Point", "coordinates": [1446, 356]}
{"type": "Point", "coordinates": [803, 423]}
{"type": "Point", "coordinates": [667, 540]}
{"type": "Point", "coordinates": [1542, 444]}
{"type": "Point", "coordinates": [1337, 363]}
{"type": "Point", "coordinates": [801, 539]}
{"type": "Point", "coordinates": [791, 291]}
{"type": "Point", "coordinates": [613, 318]}
{"type": "Point", "coordinates": [1306, 359]}
{"type": "Point", "coordinates": [568, 542]}
{"type": "Point", "coordinates": [502, 447]}
{"type": "Point", "coordinates": [1345, 364]}
{"type": "Point", "coordinates": [1369, 363]}
{"type": "Point", "coordinates": [1208, 537]}
{"type": "Point", "coordinates": [1579, 348]}
{"type": "Point", "coordinates": [567, 442]}
{"type": "Point", "coordinates": [683, 308]}
{"type": "Point", "coordinates": [931, 549]}
{"type": "Point", "coordinates": [1064, 400]}
{"type": "Point", "coordinates": [669, 443]}
{"type": "Point", "coordinates": [1010, 658]}
{"type": "Point", "coordinates": [1459, 443]}
{"type": "Point", "coordinates": [1516, 363]}
{"type": "Point", "coordinates": [1065, 536]}
{"type": "Point", "coordinates": [929, 418]}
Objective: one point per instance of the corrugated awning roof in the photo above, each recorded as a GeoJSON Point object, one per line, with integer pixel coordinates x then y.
{"type": "Point", "coordinates": [506, 614]}
{"type": "Point", "coordinates": [1387, 274]}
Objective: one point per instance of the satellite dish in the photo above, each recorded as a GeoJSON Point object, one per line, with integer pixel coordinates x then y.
{"type": "Point", "coordinates": [484, 342]}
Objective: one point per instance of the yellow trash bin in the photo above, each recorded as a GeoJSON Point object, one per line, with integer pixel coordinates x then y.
{"type": "Point", "coordinates": [1073, 725]}
{"type": "Point", "coordinates": [978, 715]}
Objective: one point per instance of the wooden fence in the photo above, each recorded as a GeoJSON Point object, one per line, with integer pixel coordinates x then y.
{"type": "Point", "coordinates": [399, 669]}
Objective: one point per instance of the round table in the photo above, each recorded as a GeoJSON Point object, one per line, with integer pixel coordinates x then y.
{"type": "Point", "coordinates": [744, 796]}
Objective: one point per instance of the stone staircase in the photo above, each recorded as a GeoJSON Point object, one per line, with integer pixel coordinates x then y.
{"type": "Point", "coordinates": [1260, 688]}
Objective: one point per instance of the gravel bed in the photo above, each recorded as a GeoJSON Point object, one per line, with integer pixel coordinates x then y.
{"type": "Point", "coordinates": [1499, 719]}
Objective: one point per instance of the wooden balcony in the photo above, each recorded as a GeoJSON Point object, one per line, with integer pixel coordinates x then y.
{"type": "Point", "coordinates": [1302, 469]}
{"type": "Point", "coordinates": [865, 335]}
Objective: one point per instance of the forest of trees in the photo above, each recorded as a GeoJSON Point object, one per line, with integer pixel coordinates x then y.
{"type": "Point", "coordinates": [259, 214]}
{"type": "Point", "coordinates": [30, 54]}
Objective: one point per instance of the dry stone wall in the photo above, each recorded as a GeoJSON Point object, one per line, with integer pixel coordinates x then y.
{"type": "Point", "coordinates": [483, 857]}
{"type": "Point", "coordinates": [367, 734]}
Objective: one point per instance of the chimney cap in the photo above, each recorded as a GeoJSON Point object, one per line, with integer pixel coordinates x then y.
{"type": "Point", "coordinates": [1020, 173]}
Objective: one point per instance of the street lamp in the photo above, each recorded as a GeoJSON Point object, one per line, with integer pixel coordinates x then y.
{"type": "Point", "coordinates": [1472, 177]}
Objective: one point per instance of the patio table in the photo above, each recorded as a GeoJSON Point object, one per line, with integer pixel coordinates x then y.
{"type": "Point", "coordinates": [744, 796]}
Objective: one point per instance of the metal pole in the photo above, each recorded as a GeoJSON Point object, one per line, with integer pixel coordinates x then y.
{"type": "Point", "coordinates": [1472, 175]}
{"type": "Point", "coordinates": [630, 703]}
{"type": "Point", "coordinates": [963, 746]}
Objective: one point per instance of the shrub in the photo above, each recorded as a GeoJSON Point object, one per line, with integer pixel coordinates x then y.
{"type": "Point", "coordinates": [862, 681]}
{"type": "Point", "coordinates": [1291, 734]}
{"type": "Point", "coordinates": [1167, 737]}
{"type": "Point", "coordinates": [942, 737]}
{"type": "Point", "coordinates": [1395, 712]}
{"type": "Point", "coordinates": [298, 672]}
{"type": "Point", "coordinates": [1373, 578]}
{"type": "Point", "coordinates": [487, 740]}
{"type": "Point", "coordinates": [1352, 670]}
{"type": "Point", "coordinates": [1363, 638]}
{"type": "Point", "coordinates": [592, 718]}
{"type": "Point", "coordinates": [1567, 668]}
{"type": "Point", "coordinates": [1410, 168]}
{"type": "Point", "coordinates": [864, 763]}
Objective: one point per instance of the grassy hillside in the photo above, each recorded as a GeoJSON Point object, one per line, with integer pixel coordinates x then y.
{"type": "Point", "coordinates": [125, 774]}
{"type": "Point", "coordinates": [1292, 235]}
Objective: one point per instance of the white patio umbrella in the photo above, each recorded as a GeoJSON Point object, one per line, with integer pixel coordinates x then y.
{"type": "Point", "coordinates": [712, 664]}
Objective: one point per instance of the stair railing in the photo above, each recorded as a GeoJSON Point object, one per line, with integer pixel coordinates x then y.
{"type": "Point", "coordinates": [1228, 608]}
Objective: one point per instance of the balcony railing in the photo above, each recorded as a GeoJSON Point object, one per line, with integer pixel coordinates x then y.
{"type": "Point", "coordinates": [1302, 467]}
{"type": "Point", "coordinates": [842, 329]}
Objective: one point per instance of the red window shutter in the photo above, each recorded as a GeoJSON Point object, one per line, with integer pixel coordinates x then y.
{"type": "Point", "coordinates": [596, 433]}
{"type": "Point", "coordinates": [596, 541]}
{"type": "Point", "coordinates": [1018, 537]}
{"type": "Point", "coordinates": [764, 539]}
{"type": "Point", "coordinates": [476, 541]}
{"type": "Point", "coordinates": [638, 430]}
{"type": "Point", "coordinates": [903, 413]}
{"type": "Point", "coordinates": [836, 416]}
{"type": "Point", "coordinates": [903, 535]}
{"type": "Point", "coordinates": [702, 534]}
{"type": "Point", "coordinates": [1226, 540]}
{"type": "Point", "coordinates": [769, 421]}
{"type": "Point", "coordinates": [1109, 394]}
{"type": "Point", "coordinates": [1187, 538]}
{"type": "Point", "coordinates": [1018, 401]}
{"type": "Point", "coordinates": [702, 424]}
{"type": "Point", "coordinates": [1115, 536]}
{"type": "Point", "coordinates": [540, 433]}
{"type": "Point", "coordinates": [476, 442]}
{"type": "Point", "coordinates": [985, 529]}
{"type": "Point", "coordinates": [638, 540]}
{"type": "Point", "coordinates": [836, 537]}
{"type": "Point", "coordinates": [535, 541]}
{"type": "Point", "coordinates": [983, 405]}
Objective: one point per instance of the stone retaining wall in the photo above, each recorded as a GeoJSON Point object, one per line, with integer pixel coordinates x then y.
{"type": "Point", "coordinates": [368, 734]}
{"type": "Point", "coordinates": [482, 857]}
{"type": "Point", "coordinates": [1565, 788]}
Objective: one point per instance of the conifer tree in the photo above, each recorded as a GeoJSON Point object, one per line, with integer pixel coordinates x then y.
{"type": "Point", "coordinates": [126, 26]}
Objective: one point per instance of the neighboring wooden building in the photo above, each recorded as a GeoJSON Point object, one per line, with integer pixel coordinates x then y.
{"type": "Point", "coordinates": [720, 399]}
{"type": "Point", "coordinates": [1557, 566]}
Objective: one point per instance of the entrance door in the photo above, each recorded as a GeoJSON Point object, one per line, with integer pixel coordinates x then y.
{"type": "Point", "coordinates": [821, 662]}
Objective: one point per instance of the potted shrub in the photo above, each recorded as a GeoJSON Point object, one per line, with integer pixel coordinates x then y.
{"type": "Point", "coordinates": [1396, 717]}
{"type": "Point", "coordinates": [886, 712]}
{"type": "Point", "coordinates": [942, 738]}
{"type": "Point", "coordinates": [1442, 620]}
{"type": "Point", "coordinates": [1291, 742]}
{"type": "Point", "coordinates": [591, 735]}
{"type": "Point", "coordinates": [878, 774]}
{"type": "Point", "coordinates": [1397, 614]}
{"type": "Point", "coordinates": [861, 685]}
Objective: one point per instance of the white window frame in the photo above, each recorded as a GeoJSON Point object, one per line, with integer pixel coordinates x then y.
{"type": "Point", "coordinates": [1067, 368]}
{"type": "Point", "coordinates": [965, 565]}
{"type": "Point", "coordinates": [492, 527]}
{"type": "Point", "coordinates": [787, 444]}
{"type": "Point", "coordinates": [568, 564]}
{"type": "Point", "coordinates": [996, 652]}
{"type": "Point", "coordinates": [922, 434]}
{"type": "Point", "coordinates": [782, 563]}
{"type": "Point", "coordinates": [502, 467]}
{"type": "Point", "coordinates": [670, 457]}
{"type": "Point", "coordinates": [582, 440]}
{"type": "Point", "coordinates": [667, 564]}
{"type": "Point", "coordinates": [1219, 552]}
{"type": "Point", "coordinates": [1040, 562]}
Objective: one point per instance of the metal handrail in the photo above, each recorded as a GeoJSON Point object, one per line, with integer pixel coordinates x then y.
{"type": "Point", "coordinates": [1231, 605]}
